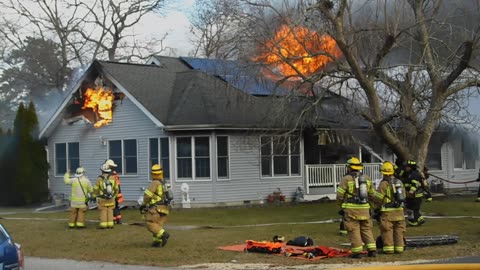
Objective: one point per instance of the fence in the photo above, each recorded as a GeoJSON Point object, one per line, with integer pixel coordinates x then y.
{"type": "Point", "coordinates": [328, 175]}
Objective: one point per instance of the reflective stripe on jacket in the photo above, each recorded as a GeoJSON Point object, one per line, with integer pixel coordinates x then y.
{"type": "Point", "coordinates": [154, 196]}
{"type": "Point", "coordinates": [78, 197]}
{"type": "Point", "coordinates": [346, 193]}
{"type": "Point", "coordinates": [100, 189]}
{"type": "Point", "coordinates": [385, 189]}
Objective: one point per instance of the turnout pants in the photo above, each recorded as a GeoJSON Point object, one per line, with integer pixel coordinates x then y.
{"type": "Point", "coordinates": [77, 217]}
{"type": "Point", "coordinates": [392, 231]}
{"type": "Point", "coordinates": [155, 219]}
{"type": "Point", "coordinates": [414, 204]}
{"type": "Point", "coordinates": [105, 207]}
{"type": "Point", "coordinates": [117, 216]}
{"type": "Point", "coordinates": [359, 232]}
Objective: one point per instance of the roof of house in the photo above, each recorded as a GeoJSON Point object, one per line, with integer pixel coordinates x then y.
{"type": "Point", "coordinates": [246, 76]}
{"type": "Point", "coordinates": [189, 99]}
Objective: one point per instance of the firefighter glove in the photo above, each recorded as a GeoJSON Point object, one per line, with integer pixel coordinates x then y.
{"type": "Point", "coordinates": [143, 209]}
{"type": "Point", "coordinates": [341, 212]}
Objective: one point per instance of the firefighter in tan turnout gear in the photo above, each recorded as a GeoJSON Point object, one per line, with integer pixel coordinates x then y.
{"type": "Point", "coordinates": [81, 190]}
{"type": "Point", "coordinates": [105, 191]}
{"type": "Point", "coordinates": [354, 194]}
{"type": "Point", "coordinates": [392, 220]}
{"type": "Point", "coordinates": [156, 201]}
{"type": "Point", "coordinates": [117, 215]}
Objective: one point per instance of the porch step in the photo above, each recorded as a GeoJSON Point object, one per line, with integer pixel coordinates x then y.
{"type": "Point", "coordinates": [315, 197]}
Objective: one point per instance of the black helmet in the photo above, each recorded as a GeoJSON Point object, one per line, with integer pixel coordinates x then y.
{"type": "Point", "coordinates": [410, 163]}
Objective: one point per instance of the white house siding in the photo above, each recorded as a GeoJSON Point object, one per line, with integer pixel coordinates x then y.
{"type": "Point", "coordinates": [129, 122]}
{"type": "Point", "coordinates": [455, 175]}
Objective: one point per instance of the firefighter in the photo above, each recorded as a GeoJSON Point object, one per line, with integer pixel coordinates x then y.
{"type": "Point", "coordinates": [392, 221]}
{"type": "Point", "coordinates": [117, 215]}
{"type": "Point", "coordinates": [105, 191]}
{"type": "Point", "coordinates": [81, 190]}
{"type": "Point", "coordinates": [353, 194]}
{"type": "Point", "coordinates": [156, 201]}
{"type": "Point", "coordinates": [425, 186]}
{"type": "Point", "coordinates": [412, 181]}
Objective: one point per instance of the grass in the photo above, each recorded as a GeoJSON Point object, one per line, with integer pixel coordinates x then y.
{"type": "Point", "coordinates": [50, 237]}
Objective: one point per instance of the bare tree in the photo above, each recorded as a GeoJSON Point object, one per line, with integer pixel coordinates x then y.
{"type": "Point", "coordinates": [85, 29]}
{"type": "Point", "coordinates": [404, 66]}
{"type": "Point", "coordinates": [215, 29]}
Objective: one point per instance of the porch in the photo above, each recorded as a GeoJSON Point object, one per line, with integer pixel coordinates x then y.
{"type": "Point", "coordinates": [321, 180]}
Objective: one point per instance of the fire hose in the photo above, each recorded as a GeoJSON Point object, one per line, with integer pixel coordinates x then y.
{"type": "Point", "coordinates": [453, 182]}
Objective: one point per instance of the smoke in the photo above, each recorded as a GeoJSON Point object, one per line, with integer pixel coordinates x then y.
{"type": "Point", "coordinates": [48, 104]}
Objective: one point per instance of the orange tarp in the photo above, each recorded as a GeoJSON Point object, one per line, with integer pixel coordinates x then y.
{"type": "Point", "coordinates": [298, 252]}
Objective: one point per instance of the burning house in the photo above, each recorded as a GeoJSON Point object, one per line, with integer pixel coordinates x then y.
{"type": "Point", "coordinates": [212, 126]}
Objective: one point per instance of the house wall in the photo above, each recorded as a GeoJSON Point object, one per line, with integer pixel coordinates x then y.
{"type": "Point", "coordinates": [455, 175]}
{"type": "Point", "coordinates": [129, 122]}
{"type": "Point", "coordinates": [245, 182]}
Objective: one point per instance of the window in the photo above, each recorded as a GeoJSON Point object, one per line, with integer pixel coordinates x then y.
{"type": "Point", "coordinates": [280, 156]}
{"type": "Point", "coordinates": [124, 154]}
{"type": "Point", "coordinates": [67, 156]}
{"type": "Point", "coordinates": [159, 154]}
{"type": "Point", "coordinates": [193, 157]}
{"type": "Point", "coordinates": [434, 155]}
{"type": "Point", "coordinates": [223, 166]}
{"type": "Point", "coordinates": [465, 152]}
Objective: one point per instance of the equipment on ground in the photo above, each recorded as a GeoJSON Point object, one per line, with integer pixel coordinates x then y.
{"type": "Point", "coordinates": [301, 241]}
{"type": "Point", "coordinates": [263, 247]}
{"type": "Point", "coordinates": [424, 241]}
{"type": "Point", "coordinates": [279, 239]}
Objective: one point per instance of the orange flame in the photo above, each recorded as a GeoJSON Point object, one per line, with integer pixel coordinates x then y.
{"type": "Point", "coordinates": [101, 102]}
{"type": "Point", "coordinates": [301, 48]}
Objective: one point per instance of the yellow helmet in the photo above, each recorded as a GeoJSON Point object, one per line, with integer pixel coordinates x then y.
{"type": "Point", "coordinates": [387, 168]}
{"type": "Point", "coordinates": [354, 164]}
{"type": "Point", "coordinates": [157, 170]}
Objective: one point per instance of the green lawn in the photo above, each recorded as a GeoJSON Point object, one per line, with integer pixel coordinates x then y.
{"type": "Point", "coordinates": [50, 237]}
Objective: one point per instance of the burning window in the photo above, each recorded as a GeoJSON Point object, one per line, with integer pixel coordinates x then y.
{"type": "Point", "coordinates": [101, 102]}
{"type": "Point", "coordinates": [94, 102]}
{"type": "Point", "coordinates": [298, 50]}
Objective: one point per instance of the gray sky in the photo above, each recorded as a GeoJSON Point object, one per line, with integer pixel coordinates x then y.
{"type": "Point", "coordinates": [175, 23]}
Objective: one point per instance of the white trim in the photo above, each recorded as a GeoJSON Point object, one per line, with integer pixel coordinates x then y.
{"type": "Point", "coordinates": [123, 155]}
{"type": "Point", "coordinates": [134, 100]}
{"type": "Point", "coordinates": [194, 178]}
{"type": "Point", "coordinates": [289, 155]}
{"type": "Point", "coordinates": [67, 157]}
{"type": "Point", "coordinates": [153, 59]}
{"type": "Point", "coordinates": [159, 153]}
{"type": "Point", "coordinates": [65, 101]}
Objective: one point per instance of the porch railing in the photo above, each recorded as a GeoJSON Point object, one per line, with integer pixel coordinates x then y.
{"type": "Point", "coordinates": [329, 175]}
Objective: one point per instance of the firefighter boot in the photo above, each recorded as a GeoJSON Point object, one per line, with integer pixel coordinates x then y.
{"type": "Point", "coordinates": [164, 238]}
{"type": "Point", "coordinates": [372, 253]}
{"type": "Point", "coordinates": [355, 256]}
